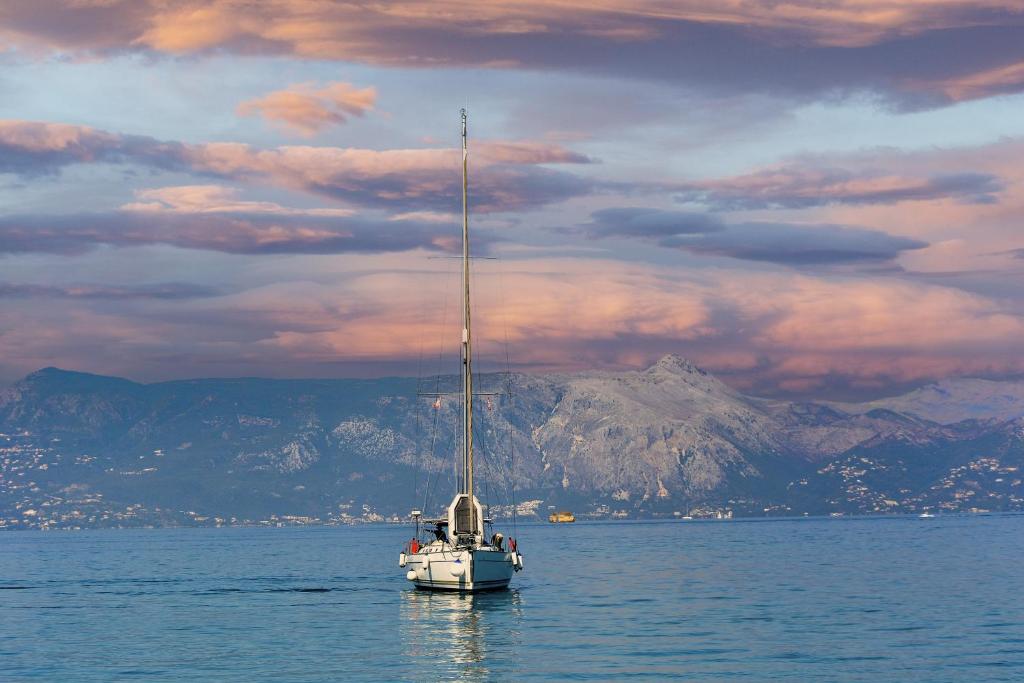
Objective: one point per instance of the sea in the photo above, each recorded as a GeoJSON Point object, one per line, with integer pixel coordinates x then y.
{"type": "Point", "coordinates": [854, 599]}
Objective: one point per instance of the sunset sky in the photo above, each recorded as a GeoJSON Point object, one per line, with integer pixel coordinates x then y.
{"type": "Point", "coordinates": [807, 198]}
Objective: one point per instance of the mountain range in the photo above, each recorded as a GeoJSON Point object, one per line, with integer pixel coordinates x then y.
{"type": "Point", "coordinates": [80, 450]}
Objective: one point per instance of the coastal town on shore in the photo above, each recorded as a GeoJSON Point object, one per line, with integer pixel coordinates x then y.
{"type": "Point", "coordinates": [30, 500]}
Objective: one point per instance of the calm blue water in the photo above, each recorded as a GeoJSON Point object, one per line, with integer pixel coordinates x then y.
{"type": "Point", "coordinates": [825, 600]}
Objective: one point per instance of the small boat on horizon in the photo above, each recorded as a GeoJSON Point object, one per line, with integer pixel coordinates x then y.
{"type": "Point", "coordinates": [561, 517]}
{"type": "Point", "coordinates": [461, 556]}
{"type": "Point", "coordinates": [925, 515]}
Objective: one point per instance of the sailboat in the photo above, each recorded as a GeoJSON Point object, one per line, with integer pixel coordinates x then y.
{"type": "Point", "coordinates": [460, 556]}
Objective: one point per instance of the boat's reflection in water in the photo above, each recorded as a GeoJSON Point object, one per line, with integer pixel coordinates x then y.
{"type": "Point", "coordinates": [461, 636]}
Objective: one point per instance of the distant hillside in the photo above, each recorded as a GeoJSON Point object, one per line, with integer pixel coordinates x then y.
{"type": "Point", "coordinates": [954, 400]}
{"type": "Point", "coordinates": [81, 450]}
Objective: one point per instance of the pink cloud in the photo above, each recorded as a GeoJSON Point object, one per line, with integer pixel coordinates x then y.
{"type": "Point", "coordinates": [352, 32]}
{"type": "Point", "coordinates": [951, 213]}
{"type": "Point", "coordinates": [985, 83]}
{"type": "Point", "coordinates": [36, 147]}
{"type": "Point", "coordinates": [79, 141]}
{"type": "Point", "coordinates": [576, 314]}
{"type": "Point", "coordinates": [883, 315]}
{"type": "Point", "coordinates": [215, 199]}
{"type": "Point", "coordinates": [413, 178]}
{"type": "Point", "coordinates": [600, 36]}
{"type": "Point", "coordinates": [802, 184]}
{"type": "Point", "coordinates": [306, 109]}
{"type": "Point", "coordinates": [547, 310]}
{"type": "Point", "coordinates": [507, 174]}
{"type": "Point", "coordinates": [965, 202]}
{"type": "Point", "coordinates": [763, 331]}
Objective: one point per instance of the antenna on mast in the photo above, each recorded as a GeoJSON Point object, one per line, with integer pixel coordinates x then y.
{"type": "Point", "coordinates": [467, 337]}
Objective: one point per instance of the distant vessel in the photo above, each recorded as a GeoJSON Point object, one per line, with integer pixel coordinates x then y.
{"type": "Point", "coordinates": [561, 517]}
{"type": "Point", "coordinates": [926, 515]}
{"type": "Point", "coordinates": [461, 557]}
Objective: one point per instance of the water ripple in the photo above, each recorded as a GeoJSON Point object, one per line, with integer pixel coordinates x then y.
{"type": "Point", "coordinates": [850, 600]}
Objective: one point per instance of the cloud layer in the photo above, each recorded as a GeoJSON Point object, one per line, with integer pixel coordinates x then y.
{"type": "Point", "coordinates": [769, 332]}
{"type": "Point", "coordinates": [222, 231]}
{"type": "Point", "coordinates": [506, 175]}
{"type": "Point", "coordinates": [929, 51]}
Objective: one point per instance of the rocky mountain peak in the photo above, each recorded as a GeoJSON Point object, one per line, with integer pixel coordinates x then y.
{"type": "Point", "coordinates": [677, 365]}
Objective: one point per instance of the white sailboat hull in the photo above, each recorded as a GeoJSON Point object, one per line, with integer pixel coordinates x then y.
{"type": "Point", "coordinates": [465, 570]}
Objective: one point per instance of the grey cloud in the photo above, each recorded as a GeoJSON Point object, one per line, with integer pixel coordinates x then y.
{"type": "Point", "coordinates": [160, 291]}
{"type": "Point", "coordinates": [641, 222]}
{"type": "Point", "coordinates": [723, 59]}
{"type": "Point", "coordinates": [797, 245]}
{"type": "Point", "coordinates": [781, 243]}
{"type": "Point", "coordinates": [800, 188]}
{"type": "Point", "coordinates": [224, 232]}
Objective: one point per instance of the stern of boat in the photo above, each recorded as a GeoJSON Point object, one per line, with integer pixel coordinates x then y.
{"type": "Point", "coordinates": [436, 567]}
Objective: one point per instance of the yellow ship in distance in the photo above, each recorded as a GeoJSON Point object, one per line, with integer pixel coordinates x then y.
{"type": "Point", "coordinates": [561, 517]}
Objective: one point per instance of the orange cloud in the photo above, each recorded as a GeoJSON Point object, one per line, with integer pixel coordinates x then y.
{"type": "Point", "coordinates": [307, 110]}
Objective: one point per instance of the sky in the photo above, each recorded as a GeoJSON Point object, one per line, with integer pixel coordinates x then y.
{"type": "Point", "coordinates": [808, 199]}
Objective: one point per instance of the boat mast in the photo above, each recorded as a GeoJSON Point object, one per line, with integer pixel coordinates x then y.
{"type": "Point", "coordinates": [467, 341]}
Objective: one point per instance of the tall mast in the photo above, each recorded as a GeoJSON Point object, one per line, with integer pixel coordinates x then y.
{"type": "Point", "coordinates": [467, 340]}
